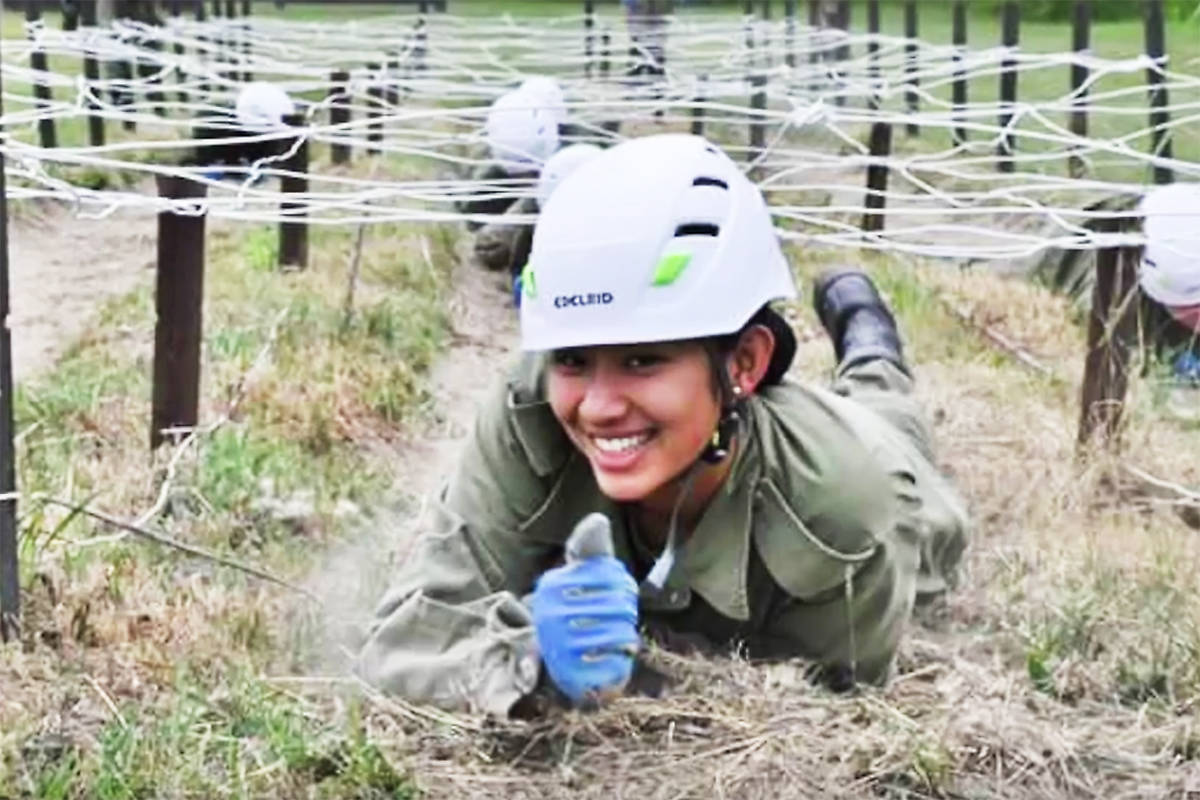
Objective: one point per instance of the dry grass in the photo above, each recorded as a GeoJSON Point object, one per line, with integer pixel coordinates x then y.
{"type": "Point", "coordinates": [1066, 665]}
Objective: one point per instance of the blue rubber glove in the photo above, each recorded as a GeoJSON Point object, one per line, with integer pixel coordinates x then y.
{"type": "Point", "coordinates": [585, 616]}
{"type": "Point", "coordinates": [1187, 367]}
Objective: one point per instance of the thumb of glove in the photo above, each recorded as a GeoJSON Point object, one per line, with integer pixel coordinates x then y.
{"type": "Point", "coordinates": [592, 537]}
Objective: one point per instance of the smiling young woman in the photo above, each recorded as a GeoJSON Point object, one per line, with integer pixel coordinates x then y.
{"type": "Point", "coordinates": [734, 507]}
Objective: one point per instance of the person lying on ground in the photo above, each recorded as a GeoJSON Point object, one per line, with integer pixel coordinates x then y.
{"type": "Point", "coordinates": [519, 235]}
{"type": "Point", "coordinates": [1169, 277]}
{"type": "Point", "coordinates": [526, 135]}
{"type": "Point", "coordinates": [521, 133]}
{"type": "Point", "coordinates": [260, 108]}
{"type": "Point", "coordinates": [745, 510]}
{"type": "Point", "coordinates": [1168, 301]}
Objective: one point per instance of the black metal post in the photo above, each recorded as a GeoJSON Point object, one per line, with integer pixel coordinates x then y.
{"type": "Point", "coordinates": [91, 75]}
{"type": "Point", "coordinates": [873, 51]}
{"type": "Point", "coordinates": [877, 176]}
{"type": "Point", "coordinates": [47, 135]}
{"type": "Point", "coordinates": [339, 113]}
{"type": "Point", "coordinates": [698, 108]}
{"type": "Point", "coordinates": [589, 26]}
{"type": "Point", "coordinates": [911, 54]}
{"type": "Point", "coordinates": [1011, 39]}
{"type": "Point", "coordinates": [959, 89]}
{"type": "Point", "coordinates": [10, 583]}
{"type": "Point", "coordinates": [374, 108]}
{"type": "Point", "coordinates": [1081, 36]}
{"type": "Point", "coordinates": [293, 233]}
{"type": "Point", "coordinates": [605, 54]}
{"type": "Point", "coordinates": [1160, 117]}
{"type": "Point", "coordinates": [789, 33]}
{"type": "Point", "coordinates": [179, 307]}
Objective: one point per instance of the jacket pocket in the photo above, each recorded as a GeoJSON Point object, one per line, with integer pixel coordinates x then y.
{"type": "Point", "coordinates": [804, 561]}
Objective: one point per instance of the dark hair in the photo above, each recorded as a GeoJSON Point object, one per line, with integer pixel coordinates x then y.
{"type": "Point", "coordinates": [781, 358]}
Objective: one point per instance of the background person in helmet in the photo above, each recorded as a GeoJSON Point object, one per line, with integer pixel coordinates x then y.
{"type": "Point", "coordinates": [556, 168]}
{"type": "Point", "coordinates": [1168, 277]}
{"type": "Point", "coordinates": [743, 509]}
{"type": "Point", "coordinates": [260, 108]}
{"type": "Point", "coordinates": [521, 132]}
{"type": "Point", "coordinates": [505, 242]}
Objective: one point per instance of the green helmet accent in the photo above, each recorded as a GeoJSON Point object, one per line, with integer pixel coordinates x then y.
{"type": "Point", "coordinates": [528, 284]}
{"type": "Point", "coordinates": [670, 267]}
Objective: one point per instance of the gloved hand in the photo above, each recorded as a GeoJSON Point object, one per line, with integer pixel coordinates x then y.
{"type": "Point", "coordinates": [1187, 367]}
{"type": "Point", "coordinates": [585, 615]}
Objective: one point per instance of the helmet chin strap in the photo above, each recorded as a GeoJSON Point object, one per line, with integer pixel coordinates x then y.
{"type": "Point", "coordinates": [716, 451]}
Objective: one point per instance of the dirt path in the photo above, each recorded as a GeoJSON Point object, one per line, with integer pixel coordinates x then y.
{"type": "Point", "coordinates": [61, 269]}
{"type": "Point", "coordinates": [483, 335]}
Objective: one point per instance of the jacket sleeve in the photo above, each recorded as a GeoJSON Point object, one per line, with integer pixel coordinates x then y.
{"type": "Point", "coordinates": [453, 631]}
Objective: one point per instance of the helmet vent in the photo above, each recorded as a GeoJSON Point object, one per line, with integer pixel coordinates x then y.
{"type": "Point", "coordinates": [697, 229]}
{"type": "Point", "coordinates": [706, 181]}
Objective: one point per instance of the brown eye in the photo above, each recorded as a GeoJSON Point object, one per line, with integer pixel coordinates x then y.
{"type": "Point", "coordinates": [570, 360]}
{"type": "Point", "coordinates": [642, 361]}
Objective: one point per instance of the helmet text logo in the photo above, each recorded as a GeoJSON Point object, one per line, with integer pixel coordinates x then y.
{"type": "Point", "coordinates": [590, 299]}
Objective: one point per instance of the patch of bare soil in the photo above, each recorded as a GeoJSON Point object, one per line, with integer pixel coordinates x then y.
{"type": "Point", "coordinates": [483, 337]}
{"type": "Point", "coordinates": [61, 269]}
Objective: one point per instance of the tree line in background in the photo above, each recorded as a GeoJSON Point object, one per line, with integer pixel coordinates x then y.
{"type": "Point", "coordinates": [1102, 10]}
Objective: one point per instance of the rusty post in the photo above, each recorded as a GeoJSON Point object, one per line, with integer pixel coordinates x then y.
{"type": "Point", "coordinates": [1112, 328]}
{"type": "Point", "coordinates": [293, 231]}
{"type": "Point", "coordinates": [178, 304]}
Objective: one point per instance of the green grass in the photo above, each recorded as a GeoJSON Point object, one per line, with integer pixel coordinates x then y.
{"type": "Point", "coordinates": [319, 396]}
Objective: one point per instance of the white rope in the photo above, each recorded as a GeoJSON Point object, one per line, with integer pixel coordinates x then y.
{"type": "Point", "coordinates": [944, 198]}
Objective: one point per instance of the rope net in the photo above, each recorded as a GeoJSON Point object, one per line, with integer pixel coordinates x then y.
{"type": "Point", "coordinates": [419, 89]}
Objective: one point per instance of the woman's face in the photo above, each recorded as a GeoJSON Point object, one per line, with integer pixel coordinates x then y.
{"type": "Point", "coordinates": [640, 413]}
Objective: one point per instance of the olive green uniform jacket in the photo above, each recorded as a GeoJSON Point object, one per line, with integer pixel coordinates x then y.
{"type": "Point", "coordinates": [831, 522]}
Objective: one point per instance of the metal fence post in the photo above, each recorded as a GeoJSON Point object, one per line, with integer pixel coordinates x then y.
{"type": "Point", "coordinates": [877, 176]}
{"type": "Point", "coordinates": [959, 89]}
{"type": "Point", "coordinates": [911, 54]}
{"type": "Point", "coordinates": [178, 303]}
{"type": "Point", "coordinates": [339, 114]}
{"type": "Point", "coordinates": [1160, 117]}
{"type": "Point", "coordinates": [91, 75]}
{"type": "Point", "coordinates": [1081, 35]}
{"type": "Point", "coordinates": [1011, 39]}
{"type": "Point", "coordinates": [10, 586]}
{"type": "Point", "coordinates": [47, 135]}
{"type": "Point", "coordinates": [293, 231]}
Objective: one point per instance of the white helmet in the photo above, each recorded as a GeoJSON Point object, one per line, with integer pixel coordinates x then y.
{"type": "Point", "coordinates": [520, 134]}
{"type": "Point", "coordinates": [559, 166]}
{"type": "Point", "coordinates": [548, 93]}
{"type": "Point", "coordinates": [262, 106]}
{"type": "Point", "coordinates": [1170, 272]}
{"type": "Point", "coordinates": [656, 239]}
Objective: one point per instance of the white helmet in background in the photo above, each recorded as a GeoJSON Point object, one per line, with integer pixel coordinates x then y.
{"type": "Point", "coordinates": [1170, 270]}
{"type": "Point", "coordinates": [520, 133]}
{"type": "Point", "coordinates": [262, 106]}
{"type": "Point", "coordinates": [549, 93]}
{"type": "Point", "coordinates": [656, 239]}
{"type": "Point", "coordinates": [559, 166]}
